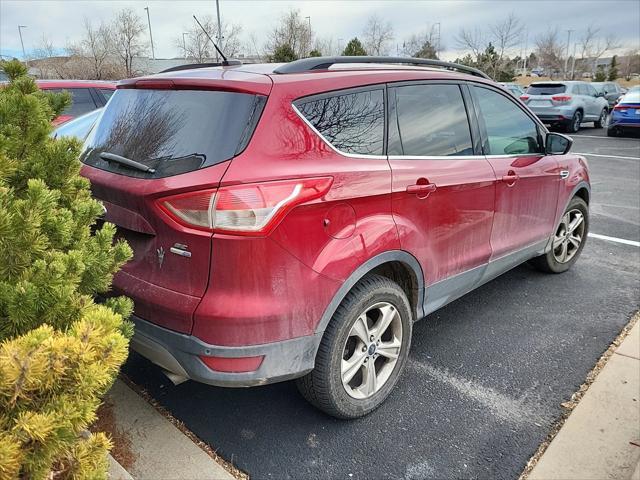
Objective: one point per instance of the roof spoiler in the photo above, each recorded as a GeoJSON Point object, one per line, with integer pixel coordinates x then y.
{"type": "Point", "coordinates": [323, 63]}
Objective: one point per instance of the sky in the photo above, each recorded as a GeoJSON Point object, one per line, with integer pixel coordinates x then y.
{"type": "Point", "coordinates": [61, 21]}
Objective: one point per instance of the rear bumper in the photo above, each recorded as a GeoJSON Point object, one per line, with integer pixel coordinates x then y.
{"type": "Point", "coordinates": [553, 114]}
{"type": "Point", "coordinates": [179, 354]}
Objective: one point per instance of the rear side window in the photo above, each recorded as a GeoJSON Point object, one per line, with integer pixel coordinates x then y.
{"type": "Point", "coordinates": [430, 120]}
{"type": "Point", "coordinates": [546, 89]}
{"type": "Point", "coordinates": [350, 122]}
{"type": "Point", "coordinates": [106, 93]}
{"type": "Point", "coordinates": [81, 101]}
{"type": "Point", "coordinates": [172, 131]}
{"type": "Point", "coordinates": [509, 130]}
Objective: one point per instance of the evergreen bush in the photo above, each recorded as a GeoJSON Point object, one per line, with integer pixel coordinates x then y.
{"type": "Point", "coordinates": [59, 351]}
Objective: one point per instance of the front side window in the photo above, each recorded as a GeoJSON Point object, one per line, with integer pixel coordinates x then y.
{"type": "Point", "coordinates": [509, 130]}
{"type": "Point", "coordinates": [430, 120]}
{"type": "Point", "coordinates": [350, 122]}
{"type": "Point", "coordinates": [81, 101]}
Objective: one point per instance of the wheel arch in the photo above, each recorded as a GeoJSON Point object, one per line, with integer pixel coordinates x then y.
{"type": "Point", "coordinates": [397, 265]}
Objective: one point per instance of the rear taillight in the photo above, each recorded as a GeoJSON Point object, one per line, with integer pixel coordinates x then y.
{"type": "Point", "coordinates": [249, 209]}
{"type": "Point", "coordinates": [561, 98]}
{"type": "Point", "coordinates": [621, 107]}
{"type": "Point", "coordinates": [524, 98]}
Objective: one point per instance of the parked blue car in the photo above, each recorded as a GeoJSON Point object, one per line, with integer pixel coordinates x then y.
{"type": "Point", "coordinates": [625, 116]}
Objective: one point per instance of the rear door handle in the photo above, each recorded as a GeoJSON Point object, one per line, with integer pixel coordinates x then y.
{"type": "Point", "coordinates": [510, 178]}
{"type": "Point", "coordinates": [421, 189]}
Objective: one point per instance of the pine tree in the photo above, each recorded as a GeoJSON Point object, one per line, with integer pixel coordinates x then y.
{"type": "Point", "coordinates": [284, 53]}
{"type": "Point", "coordinates": [60, 352]}
{"type": "Point", "coordinates": [354, 48]}
{"type": "Point", "coordinates": [613, 69]}
{"type": "Point", "coordinates": [601, 75]}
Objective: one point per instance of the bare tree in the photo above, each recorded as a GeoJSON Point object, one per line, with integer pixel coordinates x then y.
{"type": "Point", "coordinates": [96, 45]}
{"type": "Point", "coordinates": [592, 46]}
{"type": "Point", "coordinates": [549, 50]}
{"type": "Point", "coordinates": [472, 40]}
{"type": "Point", "coordinates": [128, 40]}
{"type": "Point", "coordinates": [377, 36]}
{"type": "Point", "coordinates": [293, 30]}
{"type": "Point", "coordinates": [48, 61]}
{"type": "Point", "coordinates": [491, 47]}
{"type": "Point", "coordinates": [198, 47]}
{"type": "Point", "coordinates": [506, 35]}
{"type": "Point", "coordinates": [423, 45]}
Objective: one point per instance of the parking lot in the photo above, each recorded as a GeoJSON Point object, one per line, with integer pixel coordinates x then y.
{"type": "Point", "coordinates": [486, 375]}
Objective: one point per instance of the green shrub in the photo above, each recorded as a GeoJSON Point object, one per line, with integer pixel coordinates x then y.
{"type": "Point", "coordinates": [60, 352]}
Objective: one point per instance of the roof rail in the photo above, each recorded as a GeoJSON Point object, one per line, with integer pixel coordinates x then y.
{"type": "Point", "coordinates": [323, 63]}
{"type": "Point", "coordinates": [191, 66]}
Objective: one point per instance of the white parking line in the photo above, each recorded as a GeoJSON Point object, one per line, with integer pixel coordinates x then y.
{"type": "Point", "coordinates": [607, 156]}
{"type": "Point", "coordinates": [601, 137]}
{"type": "Point", "coordinates": [615, 239]}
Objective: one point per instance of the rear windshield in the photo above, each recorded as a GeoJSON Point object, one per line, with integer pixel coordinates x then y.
{"type": "Point", "coordinates": [171, 131]}
{"type": "Point", "coordinates": [546, 89]}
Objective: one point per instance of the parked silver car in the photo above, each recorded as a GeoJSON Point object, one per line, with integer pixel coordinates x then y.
{"type": "Point", "coordinates": [611, 90]}
{"type": "Point", "coordinates": [567, 104]}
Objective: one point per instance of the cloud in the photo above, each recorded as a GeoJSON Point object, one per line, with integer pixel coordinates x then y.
{"type": "Point", "coordinates": [61, 21]}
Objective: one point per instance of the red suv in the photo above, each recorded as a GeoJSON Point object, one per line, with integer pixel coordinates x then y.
{"type": "Point", "coordinates": [86, 95]}
{"type": "Point", "coordinates": [293, 221]}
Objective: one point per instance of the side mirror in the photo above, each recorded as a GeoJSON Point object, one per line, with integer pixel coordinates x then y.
{"type": "Point", "coordinates": [557, 144]}
{"type": "Point", "coordinates": [600, 94]}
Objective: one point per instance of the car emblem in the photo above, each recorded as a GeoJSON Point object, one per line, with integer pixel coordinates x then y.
{"type": "Point", "coordinates": [160, 252]}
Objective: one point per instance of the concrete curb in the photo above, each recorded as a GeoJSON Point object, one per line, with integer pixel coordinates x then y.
{"type": "Point", "coordinates": [117, 471]}
{"type": "Point", "coordinates": [150, 446]}
{"type": "Point", "coordinates": [601, 436]}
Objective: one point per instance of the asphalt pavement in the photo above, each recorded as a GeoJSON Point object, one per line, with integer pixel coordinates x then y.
{"type": "Point", "coordinates": [486, 374]}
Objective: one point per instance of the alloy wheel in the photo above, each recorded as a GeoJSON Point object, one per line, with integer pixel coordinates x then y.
{"type": "Point", "coordinates": [569, 236]}
{"type": "Point", "coordinates": [371, 350]}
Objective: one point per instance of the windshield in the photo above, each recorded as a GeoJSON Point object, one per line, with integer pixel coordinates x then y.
{"type": "Point", "coordinates": [631, 97]}
{"type": "Point", "coordinates": [171, 131]}
{"type": "Point", "coordinates": [546, 89]}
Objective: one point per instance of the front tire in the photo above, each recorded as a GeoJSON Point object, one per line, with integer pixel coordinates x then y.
{"type": "Point", "coordinates": [363, 351]}
{"type": "Point", "coordinates": [602, 120]}
{"type": "Point", "coordinates": [568, 240]}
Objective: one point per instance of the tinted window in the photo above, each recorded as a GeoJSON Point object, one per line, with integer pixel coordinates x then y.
{"type": "Point", "coordinates": [546, 89]}
{"type": "Point", "coordinates": [171, 131]}
{"type": "Point", "coordinates": [106, 93]}
{"type": "Point", "coordinates": [81, 101]}
{"type": "Point", "coordinates": [431, 120]}
{"type": "Point", "coordinates": [510, 131]}
{"type": "Point", "coordinates": [352, 123]}
{"type": "Point", "coordinates": [590, 90]}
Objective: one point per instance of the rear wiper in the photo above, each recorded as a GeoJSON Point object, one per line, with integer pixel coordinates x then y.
{"type": "Point", "coordinates": [112, 157]}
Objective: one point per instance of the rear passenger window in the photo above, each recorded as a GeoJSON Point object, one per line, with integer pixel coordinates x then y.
{"type": "Point", "coordinates": [431, 120]}
{"type": "Point", "coordinates": [81, 101]}
{"type": "Point", "coordinates": [351, 123]}
{"type": "Point", "coordinates": [510, 131]}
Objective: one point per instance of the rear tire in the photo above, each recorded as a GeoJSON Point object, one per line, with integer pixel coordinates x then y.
{"type": "Point", "coordinates": [602, 121]}
{"type": "Point", "coordinates": [568, 240]}
{"type": "Point", "coordinates": [332, 386]}
{"type": "Point", "coordinates": [574, 125]}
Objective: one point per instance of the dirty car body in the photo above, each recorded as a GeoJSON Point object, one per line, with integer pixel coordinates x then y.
{"type": "Point", "coordinates": [270, 198]}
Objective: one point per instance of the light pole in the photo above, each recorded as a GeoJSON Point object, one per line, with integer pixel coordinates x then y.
{"type": "Point", "coordinates": [566, 60]}
{"type": "Point", "coordinates": [153, 53]}
{"type": "Point", "coordinates": [340, 48]}
{"type": "Point", "coordinates": [219, 36]}
{"type": "Point", "coordinates": [309, 20]}
{"type": "Point", "coordinates": [438, 44]}
{"type": "Point", "coordinates": [20, 27]}
{"type": "Point", "coordinates": [184, 44]}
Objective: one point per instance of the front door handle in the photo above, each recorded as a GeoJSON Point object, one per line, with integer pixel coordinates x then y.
{"type": "Point", "coordinates": [510, 178]}
{"type": "Point", "coordinates": [422, 188]}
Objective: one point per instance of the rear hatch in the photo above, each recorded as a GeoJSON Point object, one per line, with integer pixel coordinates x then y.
{"type": "Point", "coordinates": [173, 139]}
{"type": "Point", "coordinates": [545, 95]}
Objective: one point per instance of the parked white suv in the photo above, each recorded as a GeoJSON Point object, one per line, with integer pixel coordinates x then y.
{"type": "Point", "coordinates": [567, 104]}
